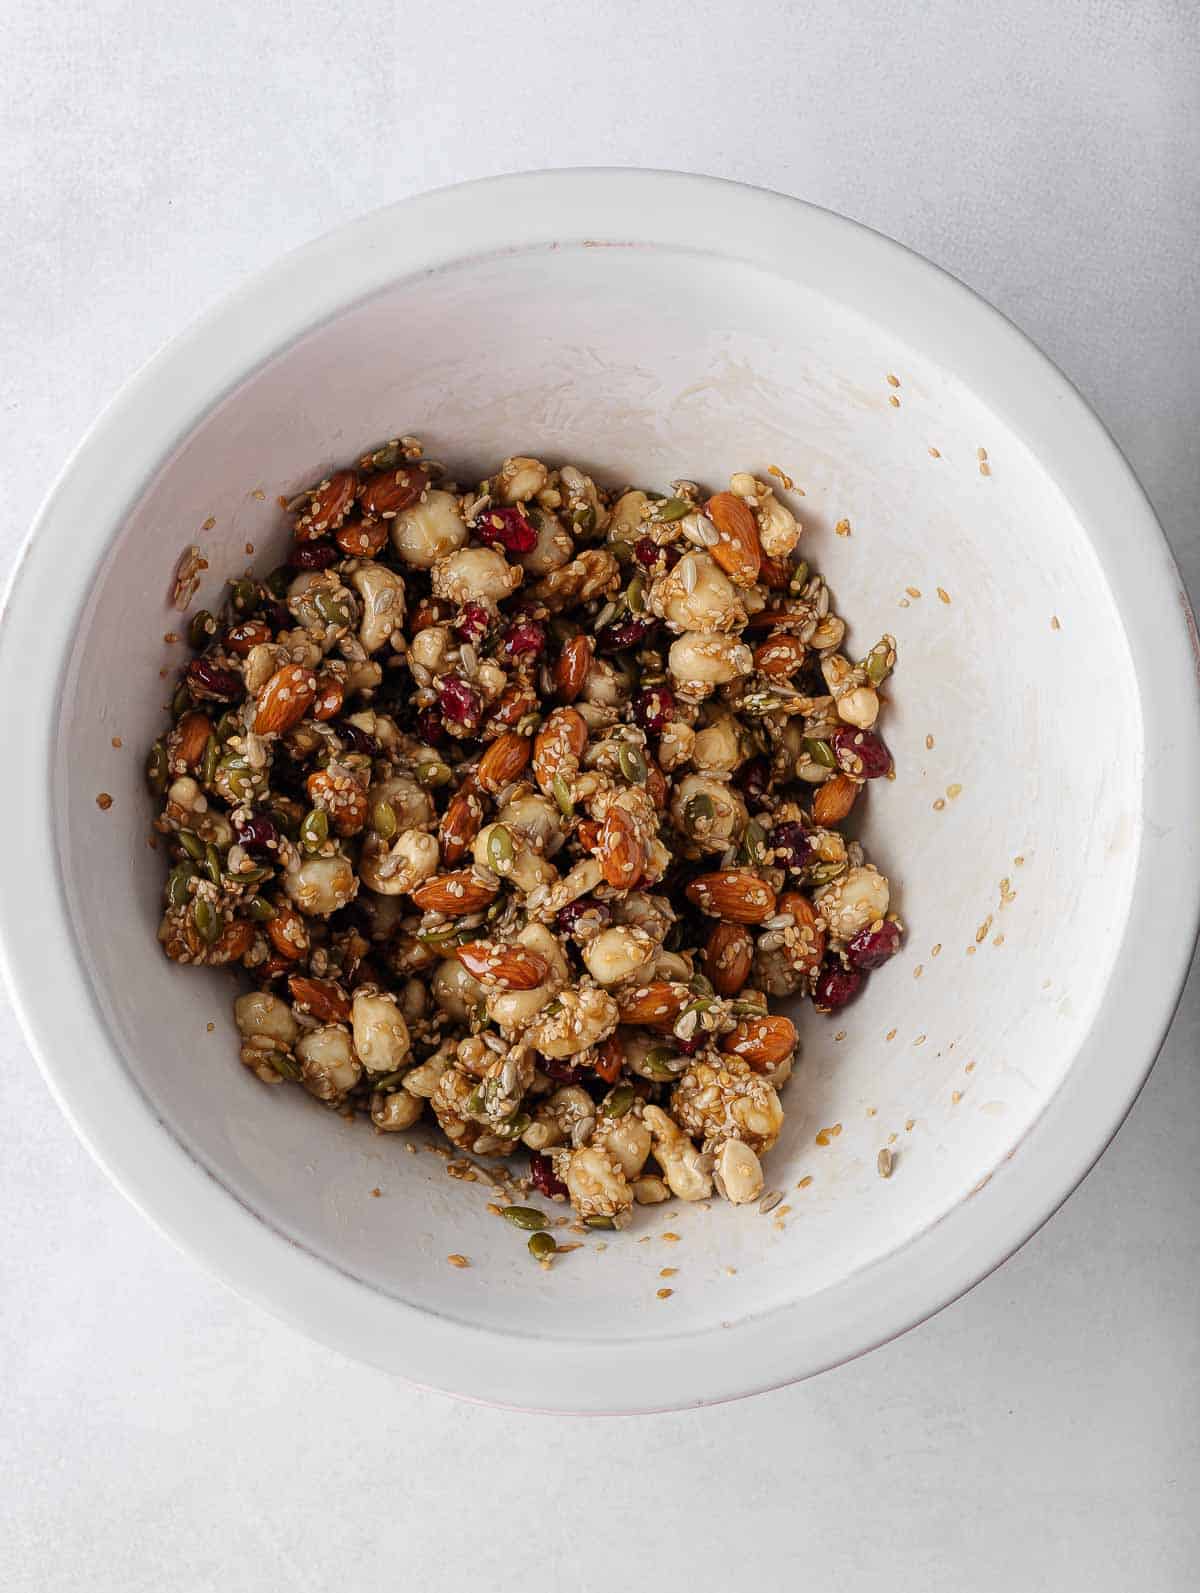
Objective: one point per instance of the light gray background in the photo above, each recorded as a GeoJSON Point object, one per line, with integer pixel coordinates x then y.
{"type": "Point", "coordinates": [155, 1432]}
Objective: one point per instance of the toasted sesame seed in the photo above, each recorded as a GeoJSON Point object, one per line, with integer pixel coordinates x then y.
{"type": "Point", "coordinates": [664, 1294]}
{"type": "Point", "coordinates": [104, 801]}
{"type": "Point", "coordinates": [458, 1261]}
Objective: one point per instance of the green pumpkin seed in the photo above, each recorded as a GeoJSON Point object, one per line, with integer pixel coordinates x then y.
{"type": "Point", "coordinates": [542, 1246]}
{"type": "Point", "coordinates": [212, 864]}
{"type": "Point", "coordinates": [260, 909]}
{"type": "Point", "coordinates": [279, 580]}
{"type": "Point", "coordinates": [633, 765]}
{"type": "Point", "coordinates": [672, 509]}
{"type": "Point", "coordinates": [286, 1066]}
{"type": "Point", "coordinates": [388, 456]}
{"type": "Point", "coordinates": [202, 629]}
{"type": "Point", "coordinates": [750, 1009]}
{"type": "Point", "coordinates": [635, 595]}
{"type": "Point", "coordinates": [192, 845]}
{"type": "Point", "coordinates": [700, 986]}
{"type": "Point", "coordinates": [383, 820]}
{"type": "Point", "coordinates": [443, 935]}
{"type": "Point", "coordinates": [754, 844]}
{"type": "Point", "coordinates": [331, 609]}
{"type": "Point", "coordinates": [390, 1082]}
{"type": "Point", "coordinates": [244, 595]}
{"type": "Point", "coordinates": [699, 810]}
{"type": "Point", "coordinates": [512, 1127]}
{"type": "Point", "coordinates": [157, 773]}
{"type": "Point", "coordinates": [879, 662]}
{"type": "Point", "coordinates": [622, 552]}
{"type": "Point", "coordinates": [229, 724]}
{"type": "Point", "coordinates": [584, 518]}
{"type": "Point", "coordinates": [181, 701]}
{"type": "Point", "coordinates": [500, 851]}
{"type": "Point", "coordinates": [534, 516]}
{"type": "Point", "coordinates": [475, 1101]}
{"type": "Point", "coordinates": [553, 1008]}
{"type": "Point", "coordinates": [702, 1005]}
{"type": "Point", "coordinates": [433, 773]}
{"type": "Point", "coordinates": [527, 1217]}
{"type": "Point", "coordinates": [820, 752]}
{"type": "Point", "coordinates": [799, 577]}
{"type": "Point", "coordinates": [825, 872]}
{"type": "Point", "coordinates": [248, 876]}
{"type": "Point", "coordinates": [600, 1222]}
{"type": "Point", "coordinates": [618, 1101]}
{"type": "Point", "coordinates": [208, 763]}
{"type": "Point", "coordinates": [314, 829]}
{"type": "Point", "coordinates": [562, 795]}
{"type": "Point", "coordinates": [206, 919]}
{"type": "Point", "coordinates": [178, 881]}
{"type": "Point", "coordinates": [655, 1062]}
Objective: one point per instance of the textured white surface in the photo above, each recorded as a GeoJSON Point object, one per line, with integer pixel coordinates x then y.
{"type": "Point", "coordinates": [1041, 1433]}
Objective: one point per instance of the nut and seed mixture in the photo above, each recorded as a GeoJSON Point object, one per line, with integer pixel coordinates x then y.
{"type": "Point", "coordinates": [518, 806]}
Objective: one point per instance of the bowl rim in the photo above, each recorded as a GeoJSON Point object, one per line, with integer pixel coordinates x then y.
{"type": "Point", "coordinates": [140, 428]}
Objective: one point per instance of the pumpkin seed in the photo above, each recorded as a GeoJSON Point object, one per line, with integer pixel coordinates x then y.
{"type": "Point", "coordinates": [388, 456]}
{"type": "Point", "coordinates": [621, 551]}
{"type": "Point", "coordinates": [229, 724]}
{"type": "Point", "coordinates": [475, 1101]}
{"type": "Point", "coordinates": [672, 509]}
{"type": "Point", "coordinates": [527, 1217]}
{"type": "Point", "coordinates": [206, 919]}
{"type": "Point", "coordinates": [633, 765]}
{"type": "Point", "coordinates": [820, 752]}
{"type": "Point", "coordinates": [656, 1060]}
{"type": "Point", "coordinates": [278, 581]}
{"type": "Point", "coordinates": [750, 1009]}
{"type": "Point", "coordinates": [286, 1066]}
{"type": "Point", "coordinates": [879, 662]}
{"type": "Point", "coordinates": [553, 1008]}
{"type": "Point", "coordinates": [584, 518]}
{"type": "Point", "coordinates": [799, 577]}
{"type": "Point", "coordinates": [702, 1005]}
{"type": "Point", "coordinates": [244, 595]}
{"type": "Point", "coordinates": [331, 609]}
{"type": "Point", "coordinates": [442, 935]}
{"type": "Point", "coordinates": [700, 986]}
{"type": "Point", "coordinates": [178, 881]}
{"type": "Point", "coordinates": [542, 1246]}
{"type": "Point", "coordinates": [383, 820]}
{"type": "Point", "coordinates": [534, 516]}
{"type": "Point", "coordinates": [208, 763]}
{"type": "Point", "coordinates": [212, 864]}
{"type": "Point", "coordinates": [192, 845]}
{"type": "Point", "coordinates": [754, 844]}
{"type": "Point", "coordinates": [314, 829]}
{"type": "Point", "coordinates": [699, 810]}
{"type": "Point", "coordinates": [181, 701]}
{"type": "Point", "coordinates": [512, 1127]}
{"type": "Point", "coordinates": [390, 1082]}
{"type": "Point", "coordinates": [562, 795]}
{"type": "Point", "coordinates": [618, 1101]}
{"type": "Point", "coordinates": [237, 776]}
{"type": "Point", "coordinates": [156, 768]}
{"type": "Point", "coordinates": [635, 595]}
{"type": "Point", "coordinates": [600, 1222]}
{"type": "Point", "coordinates": [433, 773]}
{"type": "Point", "coordinates": [825, 872]}
{"type": "Point", "coordinates": [248, 876]}
{"type": "Point", "coordinates": [501, 853]}
{"type": "Point", "coordinates": [202, 629]}
{"type": "Point", "coordinates": [260, 909]}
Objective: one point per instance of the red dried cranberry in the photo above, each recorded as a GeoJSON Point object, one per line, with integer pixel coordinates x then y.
{"type": "Point", "coordinates": [460, 703]}
{"type": "Point", "coordinates": [473, 622]}
{"type": "Point", "coordinates": [791, 846]}
{"type": "Point", "coordinates": [358, 740]}
{"type": "Point", "coordinates": [871, 948]}
{"type": "Point", "coordinates": [430, 726]}
{"type": "Point", "coordinates": [862, 752]}
{"type": "Point", "coordinates": [206, 679]}
{"type": "Point", "coordinates": [313, 555]}
{"type": "Point", "coordinates": [598, 912]}
{"type": "Point", "coordinates": [628, 633]}
{"type": "Point", "coordinates": [836, 986]}
{"type": "Point", "coordinates": [256, 832]}
{"type": "Point", "coordinates": [541, 1170]}
{"type": "Point", "coordinates": [524, 639]}
{"type": "Point", "coordinates": [688, 1047]}
{"type": "Point", "coordinates": [753, 779]}
{"type": "Point", "coordinates": [652, 709]}
{"type": "Point", "coordinates": [645, 552]}
{"type": "Point", "coordinates": [509, 528]}
{"type": "Point", "coordinates": [563, 1072]}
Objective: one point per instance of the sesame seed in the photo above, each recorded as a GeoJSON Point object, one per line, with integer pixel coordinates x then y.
{"type": "Point", "coordinates": [104, 801]}
{"type": "Point", "coordinates": [893, 381]}
{"type": "Point", "coordinates": [664, 1294]}
{"type": "Point", "coordinates": [458, 1261]}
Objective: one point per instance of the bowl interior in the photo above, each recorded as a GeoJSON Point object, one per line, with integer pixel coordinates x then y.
{"type": "Point", "coordinates": [1010, 831]}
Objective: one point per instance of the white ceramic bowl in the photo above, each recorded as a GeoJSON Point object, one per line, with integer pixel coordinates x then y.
{"type": "Point", "coordinates": [645, 326]}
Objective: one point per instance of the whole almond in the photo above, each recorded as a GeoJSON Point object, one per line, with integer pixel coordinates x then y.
{"type": "Point", "coordinates": [656, 782]}
{"type": "Point", "coordinates": [284, 700]}
{"type": "Point", "coordinates": [610, 1059]}
{"type": "Point", "coordinates": [288, 933]}
{"type": "Point", "coordinates": [361, 539]}
{"type": "Point", "coordinates": [587, 833]}
{"type": "Point", "coordinates": [336, 791]}
{"type": "Point", "coordinates": [565, 734]}
{"type": "Point", "coordinates": [734, 894]}
{"type": "Point", "coordinates": [779, 656]}
{"type": "Point", "coordinates": [805, 941]}
{"type": "Point", "coordinates": [513, 967]}
{"type": "Point", "coordinates": [761, 1042]}
{"type": "Point", "coordinates": [502, 763]}
{"type": "Point", "coordinates": [459, 826]}
{"type": "Point", "coordinates": [331, 694]}
{"type": "Point", "coordinates": [515, 702]}
{"type": "Point", "coordinates": [655, 1005]}
{"type": "Point", "coordinates": [328, 506]}
{"type": "Point", "coordinates": [323, 998]}
{"type": "Point", "coordinates": [454, 894]}
{"type": "Point", "coordinates": [386, 493]}
{"type": "Point", "coordinates": [232, 944]}
{"type": "Point", "coordinates": [776, 574]}
{"type": "Point", "coordinates": [571, 667]}
{"type": "Point", "coordinates": [193, 731]}
{"type": "Point", "coordinates": [783, 619]}
{"type": "Point", "coordinates": [728, 958]}
{"type": "Point", "coordinates": [737, 549]}
{"type": "Point", "coordinates": [242, 637]}
{"type": "Point", "coordinates": [832, 801]}
{"type": "Point", "coordinates": [620, 852]}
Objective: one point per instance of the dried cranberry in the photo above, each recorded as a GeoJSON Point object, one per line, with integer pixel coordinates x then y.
{"type": "Point", "coordinates": [645, 552]}
{"type": "Point", "coordinates": [527, 638]}
{"type": "Point", "coordinates": [473, 622]}
{"type": "Point", "coordinates": [628, 633]}
{"type": "Point", "coordinates": [430, 726]}
{"type": "Point", "coordinates": [279, 617]}
{"type": "Point", "coordinates": [836, 986]}
{"type": "Point", "coordinates": [861, 752]}
{"type": "Point", "coordinates": [357, 740]}
{"type": "Point", "coordinates": [509, 528]}
{"type": "Point", "coordinates": [460, 702]}
{"type": "Point", "coordinates": [206, 679]}
{"type": "Point", "coordinates": [652, 709]}
{"type": "Point", "coordinates": [688, 1047]}
{"type": "Point", "coordinates": [753, 779]}
{"type": "Point", "coordinates": [541, 1170]}
{"type": "Point", "coordinates": [791, 846]}
{"type": "Point", "coordinates": [569, 916]}
{"type": "Point", "coordinates": [871, 948]}
{"type": "Point", "coordinates": [313, 555]}
{"type": "Point", "coordinates": [256, 832]}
